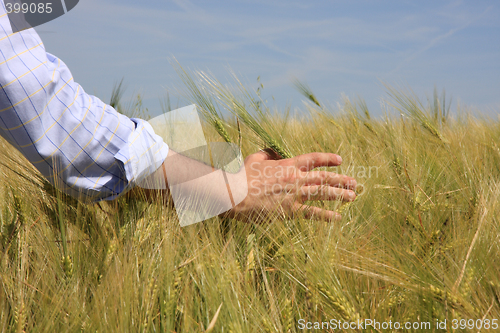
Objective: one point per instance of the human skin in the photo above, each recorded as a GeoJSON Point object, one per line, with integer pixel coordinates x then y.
{"type": "Point", "coordinates": [275, 186]}
{"type": "Point", "coordinates": [284, 185]}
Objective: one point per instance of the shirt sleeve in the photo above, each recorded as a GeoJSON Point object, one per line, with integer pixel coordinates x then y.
{"type": "Point", "coordinates": [80, 144]}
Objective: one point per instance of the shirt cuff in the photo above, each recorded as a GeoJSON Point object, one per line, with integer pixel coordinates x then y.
{"type": "Point", "coordinates": [143, 154]}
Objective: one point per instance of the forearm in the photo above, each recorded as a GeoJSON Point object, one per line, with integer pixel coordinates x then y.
{"type": "Point", "coordinates": [197, 187]}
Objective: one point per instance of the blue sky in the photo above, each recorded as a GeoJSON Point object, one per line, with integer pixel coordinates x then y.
{"type": "Point", "coordinates": [337, 47]}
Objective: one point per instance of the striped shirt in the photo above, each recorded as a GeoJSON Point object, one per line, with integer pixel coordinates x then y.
{"type": "Point", "coordinates": [81, 145]}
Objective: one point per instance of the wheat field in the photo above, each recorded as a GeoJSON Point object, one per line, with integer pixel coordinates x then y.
{"type": "Point", "coordinates": [420, 243]}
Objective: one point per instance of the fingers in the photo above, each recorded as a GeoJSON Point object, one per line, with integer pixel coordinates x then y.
{"type": "Point", "coordinates": [328, 178]}
{"type": "Point", "coordinates": [317, 192]}
{"type": "Point", "coordinates": [322, 214]}
{"type": "Point", "coordinates": [310, 161]}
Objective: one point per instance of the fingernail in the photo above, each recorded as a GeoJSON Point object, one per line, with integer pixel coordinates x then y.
{"type": "Point", "coordinates": [351, 195]}
{"type": "Point", "coordinates": [339, 159]}
{"type": "Point", "coordinates": [351, 184]}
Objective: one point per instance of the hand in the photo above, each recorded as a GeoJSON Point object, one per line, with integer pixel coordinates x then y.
{"type": "Point", "coordinates": [284, 185]}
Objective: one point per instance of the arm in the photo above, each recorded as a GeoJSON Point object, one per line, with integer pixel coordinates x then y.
{"type": "Point", "coordinates": [265, 186]}
{"type": "Point", "coordinates": [88, 150]}
{"type": "Point", "coordinates": [78, 143]}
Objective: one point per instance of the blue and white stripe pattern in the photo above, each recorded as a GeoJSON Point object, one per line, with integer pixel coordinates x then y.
{"type": "Point", "coordinates": [80, 144]}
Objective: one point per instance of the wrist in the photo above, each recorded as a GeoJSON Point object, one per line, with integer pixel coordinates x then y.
{"type": "Point", "coordinates": [237, 185]}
